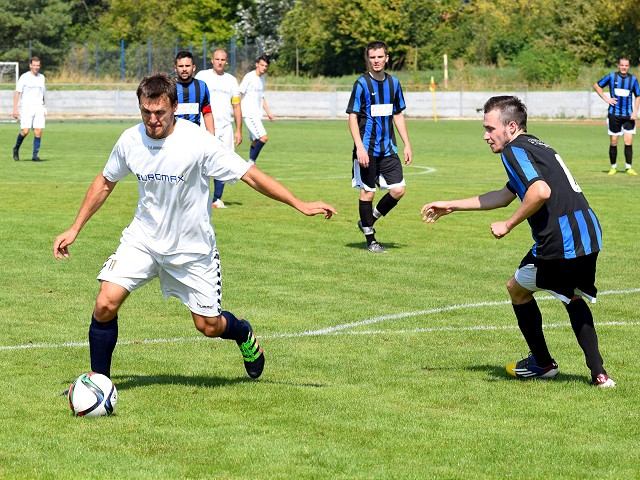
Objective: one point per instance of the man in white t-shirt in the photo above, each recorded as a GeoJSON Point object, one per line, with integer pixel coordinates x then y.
{"type": "Point", "coordinates": [253, 103]}
{"type": "Point", "coordinates": [171, 236]}
{"type": "Point", "coordinates": [225, 103]}
{"type": "Point", "coordinates": [29, 95]}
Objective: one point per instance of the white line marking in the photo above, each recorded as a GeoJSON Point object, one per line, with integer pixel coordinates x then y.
{"type": "Point", "coordinates": [343, 328]}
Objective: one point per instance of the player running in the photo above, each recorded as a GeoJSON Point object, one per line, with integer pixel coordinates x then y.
{"type": "Point", "coordinates": [566, 231]}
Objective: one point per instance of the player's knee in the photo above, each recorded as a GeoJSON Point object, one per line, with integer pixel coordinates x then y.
{"type": "Point", "coordinates": [105, 310]}
{"type": "Point", "coordinates": [517, 293]}
{"type": "Point", "coordinates": [24, 132]}
{"type": "Point", "coordinates": [209, 326]}
{"type": "Point", "coordinates": [398, 192]}
{"type": "Point", "coordinates": [264, 139]}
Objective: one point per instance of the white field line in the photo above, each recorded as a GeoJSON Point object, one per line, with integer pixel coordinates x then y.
{"type": "Point", "coordinates": [345, 327]}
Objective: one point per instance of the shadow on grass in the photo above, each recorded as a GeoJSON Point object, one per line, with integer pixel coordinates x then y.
{"type": "Point", "coordinates": [387, 245]}
{"type": "Point", "coordinates": [126, 382]}
{"type": "Point", "coordinates": [496, 373]}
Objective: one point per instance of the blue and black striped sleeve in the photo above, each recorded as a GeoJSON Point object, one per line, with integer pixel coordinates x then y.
{"type": "Point", "coordinates": [521, 170]}
{"type": "Point", "coordinates": [604, 81]}
{"type": "Point", "coordinates": [355, 102]}
{"type": "Point", "coordinates": [398, 101]}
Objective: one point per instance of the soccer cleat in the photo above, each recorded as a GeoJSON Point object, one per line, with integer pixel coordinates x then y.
{"type": "Point", "coordinates": [612, 171]}
{"type": "Point", "coordinates": [252, 354]}
{"type": "Point", "coordinates": [36, 159]}
{"type": "Point", "coordinates": [603, 381]}
{"type": "Point", "coordinates": [16, 155]}
{"type": "Point", "coordinates": [375, 247]}
{"type": "Point", "coordinates": [528, 368]}
{"type": "Point", "coordinates": [218, 204]}
{"type": "Point", "coordinates": [631, 171]}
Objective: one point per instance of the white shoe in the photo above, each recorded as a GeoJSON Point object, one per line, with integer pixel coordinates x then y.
{"type": "Point", "coordinates": [218, 204]}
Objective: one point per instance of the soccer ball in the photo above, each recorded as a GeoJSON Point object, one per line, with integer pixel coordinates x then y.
{"type": "Point", "coordinates": [92, 395]}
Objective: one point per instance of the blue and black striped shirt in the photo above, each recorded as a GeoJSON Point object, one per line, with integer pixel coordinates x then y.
{"type": "Point", "coordinates": [565, 226]}
{"type": "Point", "coordinates": [623, 89]}
{"type": "Point", "coordinates": [375, 102]}
{"type": "Point", "coordinates": [193, 100]}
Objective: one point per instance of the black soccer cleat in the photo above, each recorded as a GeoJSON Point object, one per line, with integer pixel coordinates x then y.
{"type": "Point", "coordinates": [252, 354]}
{"type": "Point", "coordinates": [16, 155]}
{"type": "Point", "coordinates": [36, 159]}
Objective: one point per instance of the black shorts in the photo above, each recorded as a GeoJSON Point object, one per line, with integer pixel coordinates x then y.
{"type": "Point", "coordinates": [620, 125]}
{"type": "Point", "coordinates": [384, 172]}
{"type": "Point", "coordinates": [565, 276]}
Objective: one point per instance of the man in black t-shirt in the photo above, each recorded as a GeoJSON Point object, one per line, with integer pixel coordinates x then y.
{"type": "Point", "coordinates": [565, 229]}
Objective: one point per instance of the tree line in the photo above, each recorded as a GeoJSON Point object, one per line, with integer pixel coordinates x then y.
{"type": "Point", "coordinates": [547, 39]}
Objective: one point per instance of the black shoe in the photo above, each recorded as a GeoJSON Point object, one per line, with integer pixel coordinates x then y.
{"type": "Point", "coordinates": [16, 157]}
{"type": "Point", "coordinates": [36, 159]}
{"type": "Point", "coordinates": [375, 247]}
{"type": "Point", "coordinates": [252, 354]}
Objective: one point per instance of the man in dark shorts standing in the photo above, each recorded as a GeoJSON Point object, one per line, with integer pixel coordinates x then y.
{"type": "Point", "coordinates": [566, 231]}
{"type": "Point", "coordinates": [623, 101]}
{"type": "Point", "coordinates": [375, 106]}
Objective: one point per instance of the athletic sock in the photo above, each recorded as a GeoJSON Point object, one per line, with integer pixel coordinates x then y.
{"type": "Point", "coordinates": [385, 205]}
{"type": "Point", "coordinates": [19, 140]}
{"type": "Point", "coordinates": [628, 155]}
{"type": "Point", "coordinates": [582, 324]}
{"type": "Point", "coordinates": [218, 189]}
{"type": "Point", "coordinates": [254, 151]}
{"type": "Point", "coordinates": [236, 329]}
{"type": "Point", "coordinates": [103, 337]}
{"type": "Point", "coordinates": [367, 220]}
{"type": "Point", "coordinates": [530, 323]}
{"type": "Point", "coordinates": [613, 154]}
{"type": "Point", "coordinates": [36, 146]}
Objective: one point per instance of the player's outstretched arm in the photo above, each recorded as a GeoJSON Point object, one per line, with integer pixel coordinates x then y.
{"type": "Point", "coordinates": [270, 187]}
{"type": "Point", "coordinates": [96, 195]}
{"type": "Point", "coordinates": [487, 201]}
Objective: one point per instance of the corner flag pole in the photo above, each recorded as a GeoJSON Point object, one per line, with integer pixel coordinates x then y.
{"type": "Point", "coordinates": [432, 89]}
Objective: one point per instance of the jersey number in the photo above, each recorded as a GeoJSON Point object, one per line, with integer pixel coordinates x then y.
{"type": "Point", "coordinates": [572, 181]}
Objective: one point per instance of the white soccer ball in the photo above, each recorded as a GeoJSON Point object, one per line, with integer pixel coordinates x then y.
{"type": "Point", "coordinates": [92, 395]}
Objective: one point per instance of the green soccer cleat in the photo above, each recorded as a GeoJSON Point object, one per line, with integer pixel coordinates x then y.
{"type": "Point", "coordinates": [252, 354]}
{"type": "Point", "coordinates": [632, 172]}
{"type": "Point", "coordinates": [612, 171]}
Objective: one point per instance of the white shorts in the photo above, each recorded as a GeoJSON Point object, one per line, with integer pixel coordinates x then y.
{"type": "Point", "coordinates": [32, 116]}
{"type": "Point", "coordinates": [526, 277]}
{"type": "Point", "coordinates": [225, 135]}
{"type": "Point", "coordinates": [255, 127]}
{"type": "Point", "coordinates": [194, 279]}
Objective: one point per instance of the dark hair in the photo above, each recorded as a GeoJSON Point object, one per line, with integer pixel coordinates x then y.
{"type": "Point", "coordinates": [623, 57]}
{"type": "Point", "coordinates": [511, 110]}
{"type": "Point", "coordinates": [375, 46]}
{"type": "Point", "coordinates": [184, 54]}
{"type": "Point", "coordinates": [264, 58]}
{"type": "Point", "coordinates": [156, 85]}
{"type": "Point", "coordinates": [34, 59]}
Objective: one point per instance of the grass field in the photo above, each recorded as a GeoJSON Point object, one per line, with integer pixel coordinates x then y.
{"type": "Point", "coordinates": [378, 366]}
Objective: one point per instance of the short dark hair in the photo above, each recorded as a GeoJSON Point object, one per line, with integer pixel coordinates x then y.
{"type": "Point", "coordinates": [264, 58]}
{"type": "Point", "coordinates": [375, 46]}
{"type": "Point", "coordinates": [34, 59]}
{"type": "Point", "coordinates": [156, 85]}
{"type": "Point", "coordinates": [624, 57]}
{"type": "Point", "coordinates": [511, 110]}
{"type": "Point", "coordinates": [184, 54]}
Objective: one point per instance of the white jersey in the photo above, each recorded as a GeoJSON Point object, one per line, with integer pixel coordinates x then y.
{"type": "Point", "coordinates": [252, 90]}
{"type": "Point", "coordinates": [173, 213]}
{"type": "Point", "coordinates": [222, 89]}
{"type": "Point", "coordinates": [32, 89]}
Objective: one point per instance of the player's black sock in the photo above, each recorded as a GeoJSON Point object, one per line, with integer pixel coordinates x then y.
{"type": "Point", "coordinates": [236, 329]}
{"type": "Point", "coordinates": [386, 204]}
{"type": "Point", "coordinates": [530, 323]}
{"type": "Point", "coordinates": [254, 151]}
{"type": "Point", "coordinates": [36, 146]}
{"type": "Point", "coordinates": [585, 331]}
{"type": "Point", "coordinates": [103, 337]}
{"type": "Point", "coordinates": [367, 220]}
{"type": "Point", "coordinates": [613, 154]}
{"type": "Point", "coordinates": [628, 155]}
{"type": "Point", "coordinates": [19, 140]}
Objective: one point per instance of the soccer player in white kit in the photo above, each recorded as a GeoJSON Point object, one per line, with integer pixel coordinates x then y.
{"type": "Point", "coordinates": [171, 236]}
{"type": "Point", "coordinates": [29, 94]}
{"type": "Point", "coordinates": [253, 102]}
{"type": "Point", "coordinates": [225, 103]}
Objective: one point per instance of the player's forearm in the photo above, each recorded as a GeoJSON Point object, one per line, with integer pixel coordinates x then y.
{"type": "Point", "coordinates": [401, 126]}
{"type": "Point", "coordinates": [96, 195]}
{"type": "Point", "coordinates": [209, 123]}
{"type": "Point", "coordinates": [354, 129]}
{"type": "Point", "coordinates": [537, 194]}
{"type": "Point", "coordinates": [237, 115]}
{"type": "Point", "coordinates": [16, 101]}
{"type": "Point", "coordinates": [270, 187]}
{"type": "Point", "coordinates": [486, 201]}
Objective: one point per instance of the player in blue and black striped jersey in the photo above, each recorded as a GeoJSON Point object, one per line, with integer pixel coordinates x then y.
{"type": "Point", "coordinates": [623, 101]}
{"type": "Point", "coordinates": [566, 231]}
{"type": "Point", "coordinates": [193, 94]}
{"type": "Point", "coordinates": [375, 106]}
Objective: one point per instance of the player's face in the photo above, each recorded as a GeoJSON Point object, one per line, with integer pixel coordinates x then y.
{"type": "Point", "coordinates": [34, 67]}
{"type": "Point", "coordinates": [377, 60]}
{"type": "Point", "coordinates": [261, 67]}
{"type": "Point", "coordinates": [219, 61]}
{"type": "Point", "coordinates": [623, 66]}
{"type": "Point", "coordinates": [185, 69]}
{"type": "Point", "coordinates": [496, 134]}
{"type": "Point", "coordinates": [158, 116]}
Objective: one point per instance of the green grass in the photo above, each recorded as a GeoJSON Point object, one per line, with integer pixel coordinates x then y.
{"type": "Point", "coordinates": [415, 395]}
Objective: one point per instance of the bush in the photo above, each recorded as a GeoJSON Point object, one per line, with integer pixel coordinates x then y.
{"type": "Point", "coordinates": [542, 65]}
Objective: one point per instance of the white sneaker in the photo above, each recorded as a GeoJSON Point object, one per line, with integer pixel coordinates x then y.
{"type": "Point", "coordinates": [218, 204]}
{"type": "Point", "coordinates": [603, 381]}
